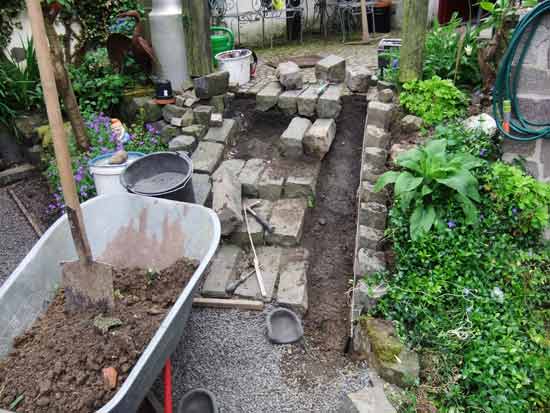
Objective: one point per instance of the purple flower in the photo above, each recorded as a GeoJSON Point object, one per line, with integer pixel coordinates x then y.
{"type": "Point", "coordinates": [483, 153]}
{"type": "Point", "coordinates": [451, 224]}
{"type": "Point", "coordinates": [515, 211]}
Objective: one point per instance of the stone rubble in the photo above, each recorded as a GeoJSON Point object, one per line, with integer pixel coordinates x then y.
{"type": "Point", "coordinates": [289, 75]}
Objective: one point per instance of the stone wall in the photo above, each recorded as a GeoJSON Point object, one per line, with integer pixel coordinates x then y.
{"type": "Point", "coordinates": [534, 102]}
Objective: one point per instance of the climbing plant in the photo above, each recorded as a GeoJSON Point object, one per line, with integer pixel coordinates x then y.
{"type": "Point", "coordinates": [9, 10]}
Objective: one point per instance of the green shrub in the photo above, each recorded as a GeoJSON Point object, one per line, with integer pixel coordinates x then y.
{"type": "Point", "coordinates": [431, 178]}
{"type": "Point", "coordinates": [434, 100]}
{"type": "Point", "coordinates": [475, 142]}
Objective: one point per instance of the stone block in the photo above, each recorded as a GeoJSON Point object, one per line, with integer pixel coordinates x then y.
{"type": "Point", "coordinates": [386, 96]}
{"type": "Point", "coordinates": [287, 219]}
{"type": "Point", "coordinates": [207, 157]}
{"type": "Point", "coordinates": [131, 108]}
{"type": "Point", "coordinates": [371, 399]}
{"type": "Point", "coordinates": [545, 158]}
{"type": "Point", "coordinates": [188, 118]}
{"type": "Point", "coordinates": [267, 98]}
{"type": "Point", "coordinates": [197, 131]}
{"type": "Point", "coordinates": [367, 296]}
{"type": "Point", "coordinates": [210, 85]}
{"type": "Point", "coordinates": [172, 111]}
{"type": "Point", "coordinates": [202, 188]}
{"type": "Point", "coordinates": [187, 99]}
{"type": "Point", "coordinates": [380, 114]}
{"type": "Point", "coordinates": [288, 101]}
{"type": "Point", "coordinates": [232, 165]}
{"type": "Point", "coordinates": [250, 176]}
{"type": "Point", "coordinates": [411, 124]}
{"type": "Point", "coordinates": [384, 84]}
{"type": "Point", "coordinates": [270, 185]}
{"type": "Point", "coordinates": [168, 132]}
{"type": "Point", "coordinates": [403, 373]}
{"type": "Point", "coordinates": [376, 158]}
{"type": "Point", "coordinates": [535, 107]}
{"type": "Point", "coordinates": [331, 69]}
{"type": "Point", "coordinates": [16, 173]}
{"type": "Point", "coordinates": [319, 137]}
{"type": "Point", "coordinates": [368, 262]}
{"type": "Point", "coordinates": [370, 174]}
{"type": "Point", "coordinates": [307, 101]}
{"type": "Point", "coordinates": [373, 214]}
{"type": "Point", "coordinates": [292, 291]}
{"type": "Point", "coordinates": [368, 194]}
{"type": "Point", "coordinates": [357, 79]}
{"type": "Point", "coordinates": [228, 100]}
{"type": "Point", "coordinates": [533, 79]}
{"type": "Point", "coordinates": [270, 260]}
{"type": "Point", "coordinates": [525, 149]}
{"type": "Point", "coordinates": [291, 144]}
{"type": "Point", "coordinates": [218, 103]}
{"type": "Point", "coordinates": [329, 104]}
{"type": "Point", "coordinates": [290, 75]}
{"type": "Point", "coordinates": [184, 143]}
{"type": "Point", "coordinates": [227, 201]}
{"type": "Point", "coordinates": [202, 114]}
{"type": "Point", "coordinates": [216, 120]}
{"type": "Point", "coordinates": [225, 134]}
{"type": "Point", "coordinates": [372, 95]}
{"type": "Point", "coordinates": [377, 137]}
{"type": "Point", "coordinates": [223, 269]}
{"type": "Point", "coordinates": [370, 238]}
{"type": "Point", "coordinates": [240, 235]}
{"type": "Point", "coordinates": [302, 182]}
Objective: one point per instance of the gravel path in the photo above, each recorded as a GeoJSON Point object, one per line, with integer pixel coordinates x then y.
{"type": "Point", "coordinates": [16, 235]}
{"type": "Point", "coordinates": [228, 353]}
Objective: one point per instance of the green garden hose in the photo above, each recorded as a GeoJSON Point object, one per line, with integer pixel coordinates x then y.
{"type": "Point", "coordinates": [506, 84]}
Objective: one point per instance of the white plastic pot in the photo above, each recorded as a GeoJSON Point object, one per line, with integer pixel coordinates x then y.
{"type": "Point", "coordinates": [107, 176]}
{"type": "Point", "coordinates": [237, 63]}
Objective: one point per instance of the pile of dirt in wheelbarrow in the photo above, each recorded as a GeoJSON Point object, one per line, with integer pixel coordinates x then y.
{"type": "Point", "coordinates": [59, 364]}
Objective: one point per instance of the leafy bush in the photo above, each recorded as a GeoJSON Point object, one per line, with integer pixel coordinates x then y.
{"type": "Point", "coordinates": [475, 142]}
{"type": "Point", "coordinates": [434, 100]}
{"type": "Point", "coordinates": [142, 138]}
{"type": "Point", "coordinates": [431, 178]}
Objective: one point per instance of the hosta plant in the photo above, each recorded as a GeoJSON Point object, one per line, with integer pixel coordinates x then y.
{"type": "Point", "coordinates": [429, 179]}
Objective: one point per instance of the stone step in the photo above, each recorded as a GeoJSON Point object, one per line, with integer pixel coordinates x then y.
{"type": "Point", "coordinates": [207, 157]}
{"type": "Point", "coordinates": [288, 101]}
{"type": "Point", "coordinates": [329, 104]}
{"type": "Point", "coordinates": [319, 137]}
{"type": "Point", "coordinates": [224, 134]}
{"type": "Point", "coordinates": [373, 398]}
{"type": "Point", "coordinates": [202, 188]}
{"type": "Point", "coordinates": [224, 268]}
{"type": "Point", "coordinates": [291, 143]}
{"type": "Point", "coordinates": [257, 231]}
{"type": "Point", "coordinates": [267, 98]}
{"type": "Point", "coordinates": [270, 261]}
{"type": "Point", "coordinates": [331, 69]}
{"type": "Point", "coordinates": [307, 101]}
{"type": "Point", "coordinates": [287, 218]}
{"type": "Point", "coordinates": [292, 290]}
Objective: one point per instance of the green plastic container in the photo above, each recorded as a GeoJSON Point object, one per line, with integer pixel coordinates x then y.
{"type": "Point", "coordinates": [222, 40]}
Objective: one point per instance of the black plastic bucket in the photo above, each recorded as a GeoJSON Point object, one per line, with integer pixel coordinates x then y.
{"type": "Point", "coordinates": [165, 175]}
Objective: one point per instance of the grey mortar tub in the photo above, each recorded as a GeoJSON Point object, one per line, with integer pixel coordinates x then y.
{"type": "Point", "coordinates": [124, 230]}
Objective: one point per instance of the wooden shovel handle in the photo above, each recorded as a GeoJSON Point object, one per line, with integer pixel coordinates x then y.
{"type": "Point", "coordinates": [62, 155]}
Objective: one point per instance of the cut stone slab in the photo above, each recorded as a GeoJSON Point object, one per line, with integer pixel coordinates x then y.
{"type": "Point", "coordinates": [202, 114]}
{"type": "Point", "coordinates": [267, 98]}
{"type": "Point", "coordinates": [250, 176]}
{"type": "Point", "coordinates": [302, 182]}
{"type": "Point", "coordinates": [385, 96]}
{"type": "Point", "coordinates": [222, 270]}
{"type": "Point", "coordinates": [225, 134]}
{"type": "Point", "coordinates": [380, 114]}
{"type": "Point", "coordinates": [411, 124]}
{"type": "Point", "coordinates": [184, 143]}
{"type": "Point", "coordinates": [202, 188]}
{"type": "Point", "coordinates": [207, 157]}
{"type": "Point", "coordinates": [240, 235]}
{"type": "Point", "coordinates": [172, 111]}
{"type": "Point", "coordinates": [370, 174]}
{"type": "Point", "coordinates": [211, 85]}
{"type": "Point", "coordinates": [357, 79]}
{"type": "Point", "coordinates": [290, 75]}
{"type": "Point", "coordinates": [368, 262]}
{"type": "Point", "coordinates": [292, 138]}
{"type": "Point", "coordinates": [319, 137]}
{"type": "Point", "coordinates": [370, 238]}
{"type": "Point", "coordinates": [368, 194]}
{"type": "Point", "coordinates": [270, 260]}
{"type": "Point", "coordinates": [218, 103]}
{"type": "Point", "coordinates": [376, 158]}
{"type": "Point", "coordinates": [287, 219]}
{"type": "Point", "coordinates": [331, 69]}
{"type": "Point", "coordinates": [168, 132]}
{"type": "Point", "coordinates": [329, 104]}
{"type": "Point", "coordinates": [270, 185]}
{"type": "Point", "coordinates": [307, 101]}
{"type": "Point", "coordinates": [377, 137]}
{"type": "Point", "coordinates": [227, 201]}
{"type": "Point", "coordinates": [373, 214]}
{"type": "Point", "coordinates": [288, 101]}
{"type": "Point", "coordinates": [292, 291]}
{"type": "Point", "coordinates": [371, 399]}
{"type": "Point", "coordinates": [197, 131]}
{"type": "Point", "coordinates": [232, 165]}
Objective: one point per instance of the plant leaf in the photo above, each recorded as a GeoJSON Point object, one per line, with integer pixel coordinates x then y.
{"type": "Point", "coordinates": [410, 160]}
{"type": "Point", "coordinates": [470, 210]}
{"type": "Point", "coordinates": [487, 6]}
{"type": "Point", "coordinates": [387, 178]}
{"type": "Point", "coordinates": [463, 182]}
{"type": "Point", "coordinates": [406, 182]}
{"type": "Point", "coordinates": [422, 220]}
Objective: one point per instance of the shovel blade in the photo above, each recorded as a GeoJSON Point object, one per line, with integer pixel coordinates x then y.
{"type": "Point", "coordinates": [88, 286]}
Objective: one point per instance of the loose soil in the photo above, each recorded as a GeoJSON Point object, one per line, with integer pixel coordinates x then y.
{"type": "Point", "coordinates": [57, 365]}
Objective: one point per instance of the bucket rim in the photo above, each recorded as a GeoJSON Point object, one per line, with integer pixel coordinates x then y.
{"type": "Point", "coordinates": [218, 56]}
{"type": "Point", "coordinates": [92, 162]}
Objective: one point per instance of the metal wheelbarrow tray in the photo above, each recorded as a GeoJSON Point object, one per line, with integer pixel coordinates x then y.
{"type": "Point", "coordinates": [126, 231]}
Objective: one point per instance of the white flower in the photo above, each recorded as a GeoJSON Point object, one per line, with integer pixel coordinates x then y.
{"type": "Point", "coordinates": [468, 50]}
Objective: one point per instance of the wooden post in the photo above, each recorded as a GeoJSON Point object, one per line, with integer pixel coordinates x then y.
{"type": "Point", "coordinates": [415, 21]}
{"type": "Point", "coordinates": [364, 21]}
{"type": "Point", "coordinates": [197, 36]}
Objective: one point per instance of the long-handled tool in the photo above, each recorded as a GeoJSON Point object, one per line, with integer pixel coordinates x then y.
{"type": "Point", "coordinates": [87, 283]}
{"type": "Point", "coordinates": [232, 286]}
{"type": "Point", "coordinates": [256, 261]}
{"type": "Point", "coordinates": [260, 220]}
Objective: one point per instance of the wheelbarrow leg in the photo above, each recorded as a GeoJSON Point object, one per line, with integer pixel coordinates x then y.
{"type": "Point", "coordinates": [168, 387]}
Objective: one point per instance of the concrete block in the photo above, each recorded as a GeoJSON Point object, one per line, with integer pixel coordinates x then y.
{"type": "Point", "coordinates": [329, 104]}
{"type": "Point", "coordinates": [287, 219]}
{"type": "Point", "coordinates": [292, 291]}
{"type": "Point", "coordinates": [373, 214]}
{"type": "Point", "coordinates": [184, 143]}
{"type": "Point", "coordinates": [371, 399]}
{"type": "Point", "coordinates": [211, 85]}
{"type": "Point", "coordinates": [370, 174]}
{"type": "Point", "coordinates": [197, 131]}
{"type": "Point", "coordinates": [319, 137]}
{"type": "Point", "coordinates": [270, 260]}
{"type": "Point", "coordinates": [240, 235]}
{"type": "Point", "coordinates": [290, 75]}
{"type": "Point", "coordinates": [202, 188]}
{"type": "Point", "coordinates": [307, 101]}
{"type": "Point", "coordinates": [357, 79]}
{"type": "Point", "coordinates": [376, 158]}
{"type": "Point", "coordinates": [331, 69]}
{"type": "Point", "coordinates": [292, 138]}
{"type": "Point", "coordinates": [207, 157]}
{"type": "Point", "coordinates": [370, 238]}
{"type": "Point", "coordinates": [302, 182]}
{"type": "Point", "coordinates": [172, 111]}
{"type": "Point", "coordinates": [132, 106]}
{"type": "Point", "coordinates": [386, 96]}
{"type": "Point", "coordinates": [225, 134]}
{"type": "Point", "coordinates": [368, 262]}
{"type": "Point", "coordinates": [232, 165]}
{"type": "Point", "coordinates": [368, 195]}
{"type": "Point", "coordinates": [525, 149]}
{"type": "Point", "coordinates": [270, 185]}
{"type": "Point", "coordinates": [218, 103]}
{"type": "Point", "coordinates": [250, 176]}
{"type": "Point", "coordinates": [535, 107]}
{"type": "Point", "coordinates": [202, 114]}
{"type": "Point", "coordinates": [377, 137]}
{"type": "Point", "coordinates": [187, 119]}
{"type": "Point", "coordinates": [168, 132]}
{"type": "Point", "coordinates": [227, 201]}
{"type": "Point", "coordinates": [533, 79]}
{"type": "Point", "coordinates": [223, 269]}
{"type": "Point", "coordinates": [288, 101]}
{"type": "Point", "coordinates": [267, 98]}
{"type": "Point", "coordinates": [380, 114]}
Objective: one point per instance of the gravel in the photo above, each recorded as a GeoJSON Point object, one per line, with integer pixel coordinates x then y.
{"type": "Point", "coordinates": [227, 352]}
{"type": "Point", "coordinates": [16, 235]}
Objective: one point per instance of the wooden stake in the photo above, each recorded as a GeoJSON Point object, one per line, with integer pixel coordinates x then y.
{"type": "Point", "coordinates": [364, 21]}
{"type": "Point", "coordinates": [228, 303]}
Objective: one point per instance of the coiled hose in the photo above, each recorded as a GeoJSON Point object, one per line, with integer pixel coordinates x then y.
{"type": "Point", "coordinates": [506, 84]}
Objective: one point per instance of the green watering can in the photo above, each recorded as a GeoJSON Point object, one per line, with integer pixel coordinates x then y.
{"type": "Point", "coordinates": [222, 40]}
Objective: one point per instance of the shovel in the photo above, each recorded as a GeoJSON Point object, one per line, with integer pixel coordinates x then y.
{"type": "Point", "coordinates": [87, 284]}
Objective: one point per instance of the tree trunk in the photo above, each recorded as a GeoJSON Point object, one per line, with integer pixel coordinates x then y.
{"type": "Point", "coordinates": [66, 88]}
{"type": "Point", "coordinates": [415, 21]}
{"type": "Point", "coordinates": [197, 37]}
